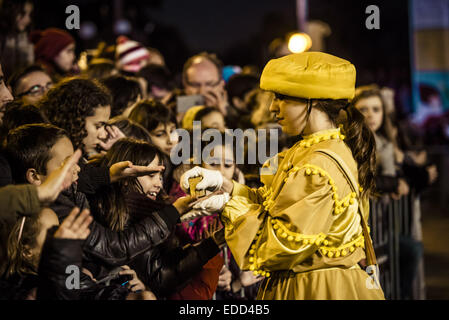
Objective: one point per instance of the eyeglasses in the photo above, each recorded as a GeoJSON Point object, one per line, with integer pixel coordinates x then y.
{"type": "Point", "coordinates": [36, 90]}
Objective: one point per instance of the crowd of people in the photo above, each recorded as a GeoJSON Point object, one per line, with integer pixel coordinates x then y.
{"type": "Point", "coordinates": [86, 177]}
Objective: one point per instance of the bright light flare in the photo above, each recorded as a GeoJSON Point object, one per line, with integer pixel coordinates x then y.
{"type": "Point", "coordinates": [299, 42]}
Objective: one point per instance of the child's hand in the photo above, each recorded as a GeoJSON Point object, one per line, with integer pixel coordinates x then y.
{"type": "Point", "coordinates": [59, 179]}
{"type": "Point", "coordinates": [126, 169]}
{"type": "Point", "coordinates": [75, 226]}
{"type": "Point", "coordinates": [134, 284]}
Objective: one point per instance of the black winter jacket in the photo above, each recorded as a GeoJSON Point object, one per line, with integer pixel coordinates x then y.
{"type": "Point", "coordinates": [118, 248]}
{"type": "Point", "coordinates": [168, 267]}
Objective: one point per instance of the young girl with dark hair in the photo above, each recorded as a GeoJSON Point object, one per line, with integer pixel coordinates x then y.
{"type": "Point", "coordinates": [81, 107]}
{"type": "Point", "coordinates": [170, 266]}
{"type": "Point", "coordinates": [305, 230]}
{"type": "Point", "coordinates": [161, 124]}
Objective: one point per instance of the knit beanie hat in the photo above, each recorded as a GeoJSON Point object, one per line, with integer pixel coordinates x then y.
{"type": "Point", "coordinates": [49, 43]}
{"type": "Point", "coordinates": [310, 75]}
{"type": "Point", "coordinates": [129, 54]}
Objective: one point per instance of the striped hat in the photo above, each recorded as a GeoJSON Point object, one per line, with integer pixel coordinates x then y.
{"type": "Point", "coordinates": [130, 54]}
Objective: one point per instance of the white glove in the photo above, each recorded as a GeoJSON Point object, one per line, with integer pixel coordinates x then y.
{"type": "Point", "coordinates": [212, 179]}
{"type": "Point", "coordinates": [214, 203]}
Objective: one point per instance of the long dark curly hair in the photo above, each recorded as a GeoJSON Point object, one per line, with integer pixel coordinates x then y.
{"type": "Point", "coordinates": [69, 103]}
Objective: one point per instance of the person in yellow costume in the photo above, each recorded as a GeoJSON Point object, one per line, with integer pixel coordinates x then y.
{"type": "Point", "coordinates": [302, 230]}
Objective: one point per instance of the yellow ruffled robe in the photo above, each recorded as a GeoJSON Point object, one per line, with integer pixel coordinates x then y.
{"type": "Point", "coordinates": [302, 230]}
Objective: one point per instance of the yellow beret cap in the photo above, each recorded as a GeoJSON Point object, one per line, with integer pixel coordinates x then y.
{"type": "Point", "coordinates": [310, 75]}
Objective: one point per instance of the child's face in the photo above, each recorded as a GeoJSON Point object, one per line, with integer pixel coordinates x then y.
{"type": "Point", "coordinates": [221, 159]}
{"type": "Point", "coordinates": [95, 127]}
{"type": "Point", "coordinates": [214, 120]}
{"type": "Point", "coordinates": [152, 183]}
{"type": "Point", "coordinates": [164, 137]}
{"type": "Point", "coordinates": [59, 153]}
{"type": "Point", "coordinates": [65, 59]}
{"type": "Point", "coordinates": [371, 108]}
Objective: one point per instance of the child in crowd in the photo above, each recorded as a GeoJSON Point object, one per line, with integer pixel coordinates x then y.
{"type": "Point", "coordinates": [81, 107]}
{"type": "Point", "coordinates": [161, 124]}
{"type": "Point", "coordinates": [35, 150]}
{"type": "Point", "coordinates": [168, 267]}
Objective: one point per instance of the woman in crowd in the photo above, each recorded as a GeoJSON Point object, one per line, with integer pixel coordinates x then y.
{"type": "Point", "coordinates": [16, 51]}
{"type": "Point", "coordinates": [55, 50]}
{"type": "Point", "coordinates": [395, 173]}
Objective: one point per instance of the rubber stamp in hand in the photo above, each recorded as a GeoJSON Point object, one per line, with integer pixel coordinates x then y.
{"type": "Point", "coordinates": [193, 192]}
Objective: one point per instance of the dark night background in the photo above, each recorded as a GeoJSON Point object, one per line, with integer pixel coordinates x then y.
{"type": "Point", "coordinates": [240, 31]}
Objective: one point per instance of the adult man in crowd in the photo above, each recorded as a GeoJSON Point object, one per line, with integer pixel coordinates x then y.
{"type": "Point", "coordinates": [202, 75]}
{"type": "Point", "coordinates": [30, 84]}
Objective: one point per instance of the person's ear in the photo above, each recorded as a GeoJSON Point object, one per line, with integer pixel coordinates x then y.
{"type": "Point", "coordinates": [33, 177]}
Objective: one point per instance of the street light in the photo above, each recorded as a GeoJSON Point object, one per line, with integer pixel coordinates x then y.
{"type": "Point", "coordinates": [299, 42]}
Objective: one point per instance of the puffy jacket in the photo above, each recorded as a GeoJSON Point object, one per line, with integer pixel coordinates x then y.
{"type": "Point", "coordinates": [118, 248]}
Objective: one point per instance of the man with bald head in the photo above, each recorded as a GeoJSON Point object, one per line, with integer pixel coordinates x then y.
{"type": "Point", "coordinates": [202, 75]}
{"type": "Point", "coordinates": [5, 95]}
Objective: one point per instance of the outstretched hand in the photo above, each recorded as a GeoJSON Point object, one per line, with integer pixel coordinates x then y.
{"type": "Point", "coordinates": [75, 226]}
{"type": "Point", "coordinates": [59, 179]}
{"type": "Point", "coordinates": [126, 169]}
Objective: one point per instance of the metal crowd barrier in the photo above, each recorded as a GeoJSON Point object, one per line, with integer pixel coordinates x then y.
{"type": "Point", "coordinates": [388, 221]}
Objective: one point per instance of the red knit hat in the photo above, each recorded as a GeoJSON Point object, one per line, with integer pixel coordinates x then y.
{"type": "Point", "coordinates": [49, 43]}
